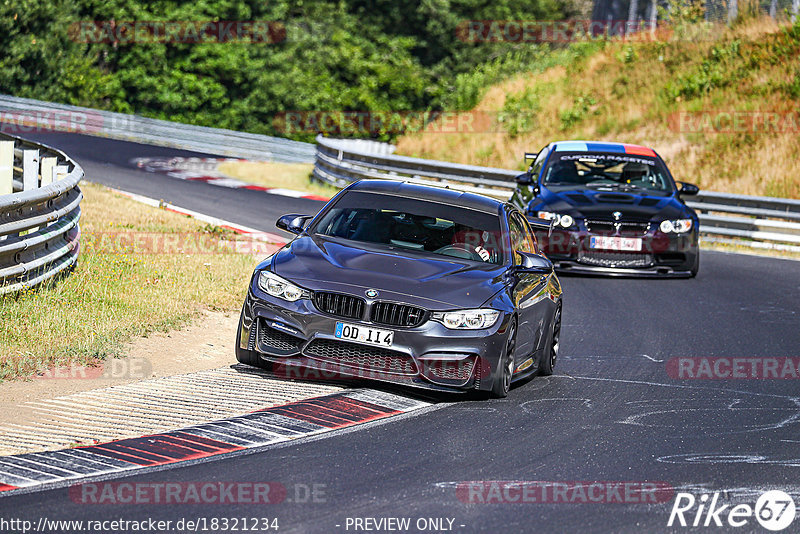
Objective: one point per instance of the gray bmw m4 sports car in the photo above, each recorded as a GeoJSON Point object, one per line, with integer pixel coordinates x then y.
{"type": "Point", "coordinates": [408, 284]}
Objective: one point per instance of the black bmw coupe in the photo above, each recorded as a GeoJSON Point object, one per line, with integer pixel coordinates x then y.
{"type": "Point", "coordinates": [415, 285]}
{"type": "Point", "coordinates": [615, 209]}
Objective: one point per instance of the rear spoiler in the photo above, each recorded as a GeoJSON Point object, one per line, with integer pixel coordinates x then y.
{"type": "Point", "coordinates": [541, 224]}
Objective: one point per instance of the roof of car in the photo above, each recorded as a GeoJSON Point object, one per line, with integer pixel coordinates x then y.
{"type": "Point", "coordinates": [433, 194]}
{"type": "Point", "coordinates": [597, 146]}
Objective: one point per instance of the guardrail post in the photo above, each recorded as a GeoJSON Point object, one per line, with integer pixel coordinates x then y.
{"type": "Point", "coordinates": [6, 167]}
{"type": "Point", "coordinates": [48, 164]}
{"type": "Point", "coordinates": [59, 172]}
{"type": "Point", "coordinates": [30, 169]}
{"type": "Point", "coordinates": [30, 177]}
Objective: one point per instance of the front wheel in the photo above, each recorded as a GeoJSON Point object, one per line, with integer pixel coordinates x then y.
{"type": "Point", "coordinates": [550, 355]}
{"type": "Point", "coordinates": [502, 380]}
{"type": "Point", "coordinates": [696, 267]}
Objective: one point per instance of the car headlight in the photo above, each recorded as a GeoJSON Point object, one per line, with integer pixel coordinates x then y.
{"type": "Point", "coordinates": [678, 226]}
{"type": "Point", "coordinates": [467, 319]}
{"type": "Point", "coordinates": [564, 221]}
{"type": "Point", "coordinates": [281, 288]}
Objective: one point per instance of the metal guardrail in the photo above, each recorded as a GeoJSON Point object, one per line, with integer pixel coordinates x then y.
{"type": "Point", "coordinates": [341, 161]}
{"type": "Point", "coordinates": [39, 213]}
{"type": "Point", "coordinates": [34, 115]}
{"type": "Point", "coordinates": [758, 222]}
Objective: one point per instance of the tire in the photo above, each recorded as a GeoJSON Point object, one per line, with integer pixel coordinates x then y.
{"type": "Point", "coordinates": [696, 267]}
{"type": "Point", "coordinates": [248, 357]}
{"type": "Point", "coordinates": [550, 355]}
{"type": "Point", "coordinates": [502, 380]}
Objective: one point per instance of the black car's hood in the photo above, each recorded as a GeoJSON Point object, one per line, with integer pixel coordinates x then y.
{"type": "Point", "coordinates": [433, 282]}
{"type": "Point", "coordinates": [590, 203]}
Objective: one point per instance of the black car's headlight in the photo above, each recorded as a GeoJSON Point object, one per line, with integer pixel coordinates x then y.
{"type": "Point", "coordinates": [563, 221]}
{"type": "Point", "coordinates": [281, 288]}
{"type": "Point", "coordinates": [467, 319]}
{"type": "Point", "coordinates": [677, 226]}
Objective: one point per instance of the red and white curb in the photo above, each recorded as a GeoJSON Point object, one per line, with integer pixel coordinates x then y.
{"type": "Point", "coordinates": [263, 427]}
{"type": "Point", "coordinates": [252, 233]}
{"type": "Point", "coordinates": [207, 170]}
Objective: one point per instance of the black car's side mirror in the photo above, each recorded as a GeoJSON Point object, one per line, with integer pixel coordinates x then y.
{"type": "Point", "coordinates": [534, 263]}
{"type": "Point", "coordinates": [524, 179]}
{"type": "Point", "coordinates": [688, 189]}
{"type": "Point", "coordinates": [293, 223]}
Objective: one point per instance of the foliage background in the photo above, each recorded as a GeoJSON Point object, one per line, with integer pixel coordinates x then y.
{"type": "Point", "coordinates": [350, 55]}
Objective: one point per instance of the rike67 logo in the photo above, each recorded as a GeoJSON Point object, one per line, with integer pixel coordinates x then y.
{"type": "Point", "coordinates": [774, 510]}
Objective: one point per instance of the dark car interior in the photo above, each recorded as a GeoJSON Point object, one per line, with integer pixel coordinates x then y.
{"type": "Point", "coordinates": [607, 171]}
{"type": "Point", "coordinates": [414, 232]}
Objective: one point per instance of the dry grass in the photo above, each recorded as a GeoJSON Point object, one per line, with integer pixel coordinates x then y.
{"type": "Point", "coordinates": [294, 176]}
{"type": "Point", "coordinates": [744, 249]}
{"type": "Point", "coordinates": [119, 293]}
{"type": "Point", "coordinates": [633, 92]}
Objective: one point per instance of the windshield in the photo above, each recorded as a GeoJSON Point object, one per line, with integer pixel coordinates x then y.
{"type": "Point", "coordinates": [414, 225]}
{"type": "Point", "coordinates": [606, 171]}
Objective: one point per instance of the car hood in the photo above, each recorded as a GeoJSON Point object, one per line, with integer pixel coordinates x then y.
{"type": "Point", "coordinates": [591, 203]}
{"type": "Point", "coordinates": [434, 282]}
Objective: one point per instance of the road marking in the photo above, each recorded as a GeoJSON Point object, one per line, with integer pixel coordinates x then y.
{"type": "Point", "coordinates": [206, 170]}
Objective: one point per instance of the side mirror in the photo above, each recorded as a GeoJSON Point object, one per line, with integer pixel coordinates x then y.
{"type": "Point", "coordinates": [688, 189]}
{"type": "Point", "coordinates": [524, 179]}
{"type": "Point", "coordinates": [534, 263]}
{"type": "Point", "coordinates": [293, 223]}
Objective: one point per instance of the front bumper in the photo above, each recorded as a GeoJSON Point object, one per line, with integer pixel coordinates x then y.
{"type": "Point", "coordinates": [662, 255]}
{"type": "Point", "coordinates": [300, 340]}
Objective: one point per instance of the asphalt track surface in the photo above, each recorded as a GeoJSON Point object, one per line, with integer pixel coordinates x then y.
{"type": "Point", "coordinates": [107, 161]}
{"type": "Point", "coordinates": [610, 413]}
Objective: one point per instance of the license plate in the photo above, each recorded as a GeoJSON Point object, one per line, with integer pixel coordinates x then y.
{"type": "Point", "coordinates": [616, 243]}
{"type": "Point", "coordinates": [364, 334]}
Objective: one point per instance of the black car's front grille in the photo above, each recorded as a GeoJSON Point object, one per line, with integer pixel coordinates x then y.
{"type": "Point", "coordinates": [273, 341]}
{"type": "Point", "coordinates": [392, 314]}
{"type": "Point", "coordinates": [362, 357]}
{"type": "Point", "coordinates": [614, 259]}
{"type": "Point", "coordinates": [340, 305]}
{"type": "Point", "coordinates": [625, 228]}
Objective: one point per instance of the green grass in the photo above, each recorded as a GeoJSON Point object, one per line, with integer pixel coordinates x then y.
{"type": "Point", "coordinates": [116, 294]}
